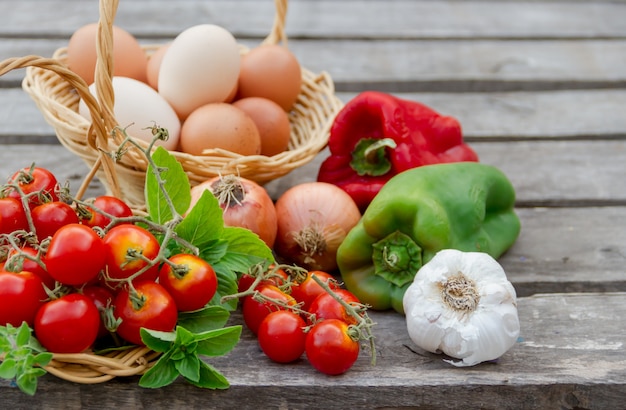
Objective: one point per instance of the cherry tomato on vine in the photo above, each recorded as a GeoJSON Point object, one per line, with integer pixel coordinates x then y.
{"type": "Point", "coordinates": [17, 260]}
{"type": "Point", "coordinates": [281, 336]}
{"type": "Point", "coordinates": [192, 283]}
{"type": "Point", "coordinates": [76, 255]}
{"type": "Point", "coordinates": [329, 347]}
{"type": "Point", "coordinates": [50, 216]}
{"type": "Point", "coordinates": [309, 289]}
{"type": "Point", "coordinates": [127, 247]}
{"type": "Point", "coordinates": [102, 298]}
{"type": "Point", "coordinates": [254, 311]}
{"type": "Point", "coordinates": [68, 324]}
{"type": "Point", "coordinates": [21, 296]}
{"type": "Point", "coordinates": [156, 311]}
{"type": "Point", "coordinates": [108, 204]}
{"type": "Point", "coordinates": [12, 216]}
{"type": "Point", "coordinates": [325, 306]}
{"type": "Point", "coordinates": [279, 277]}
{"type": "Point", "coordinates": [35, 180]}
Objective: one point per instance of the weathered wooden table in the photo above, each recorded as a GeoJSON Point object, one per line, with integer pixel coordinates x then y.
{"type": "Point", "coordinates": [540, 88]}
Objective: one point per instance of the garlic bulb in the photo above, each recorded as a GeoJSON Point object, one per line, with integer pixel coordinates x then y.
{"type": "Point", "coordinates": [462, 304]}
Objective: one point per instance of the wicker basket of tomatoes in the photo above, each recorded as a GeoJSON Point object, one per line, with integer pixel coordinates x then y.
{"type": "Point", "coordinates": [86, 120]}
{"type": "Point", "coordinates": [92, 289]}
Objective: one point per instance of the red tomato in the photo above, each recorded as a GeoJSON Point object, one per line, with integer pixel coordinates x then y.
{"type": "Point", "coordinates": [309, 289]}
{"type": "Point", "coordinates": [68, 324]}
{"type": "Point", "coordinates": [108, 204]}
{"type": "Point", "coordinates": [278, 277]}
{"type": "Point", "coordinates": [50, 216]}
{"type": "Point", "coordinates": [18, 261]}
{"type": "Point", "coordinates": [126, 246]}
{"type": "Point", "coordinates": [103, 299]}
{"type": "Point", "coordinates": [12, 216]}
{"type": "Point", "coordinates": [329, 347]}
{"type": "Point", "coordinates": [39, 182]}
{"type": "Point", "coordinates": [193, 285]}
{"type": "Point", "coordinates": [325, 306]}
{"type": "Point", "coordinates": [21, 296]}
{"type": "Point", "coordinates": [157, 311]}
{"type": "Point", "coordinates": [255, 311]}
{"type": "Point", "coordinates": [76, 255]}
{"type": "Point", "coordinates": [281, 336]}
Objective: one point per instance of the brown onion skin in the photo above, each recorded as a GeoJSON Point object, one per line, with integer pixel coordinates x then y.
{"type": "Point", "coordinates": [256, 211]}
{"type": "Point", "coordinates": [322, 208]}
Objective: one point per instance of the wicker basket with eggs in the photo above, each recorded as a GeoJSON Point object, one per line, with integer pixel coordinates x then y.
{"type": "Point", "coordinates": [200, 111]}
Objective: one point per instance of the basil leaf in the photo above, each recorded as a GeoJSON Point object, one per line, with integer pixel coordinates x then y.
{"type": "Point", "coordinates": [209, 318]}
{"type": "Point", "coordinates": [210, 378]}
{"type": "Point", "coordinates": [219, 341]}
{"type": "Point", "coordinates": [175, 183]}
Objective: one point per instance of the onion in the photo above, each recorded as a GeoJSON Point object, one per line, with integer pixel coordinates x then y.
{"type": "Point", "coordinates": [313, 220]}
{"type": "Point", "coordinates": [245, 203]}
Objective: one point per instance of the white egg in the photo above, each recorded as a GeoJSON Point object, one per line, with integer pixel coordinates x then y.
{"type": "Point", "coordinates": [137, 108]}
{"type": "Point", "coordinates": [201, 66]}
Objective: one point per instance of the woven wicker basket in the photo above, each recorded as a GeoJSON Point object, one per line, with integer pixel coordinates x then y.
{"type": "Point", "coordinates": [57, 95]}
{"type": "Point", "coordinates": [57, 91]}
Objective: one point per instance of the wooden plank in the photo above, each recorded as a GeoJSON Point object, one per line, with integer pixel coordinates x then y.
{"type": "Point", "coordinates": [427, 66]}
{"type": "Point", "coordinates": [570, 354]}
{"type": "Point", "coordinates": [569, 114]}
{"type": "Point", "coordinates": [544, 173]}
{"type": "Point", "coordinates": [331, 18]}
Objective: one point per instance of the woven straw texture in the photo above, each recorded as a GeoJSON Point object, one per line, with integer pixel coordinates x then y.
{"type": "Point", "coordinates": [57, 91]}
{"type": "Point", "coordinates": [57, 97]}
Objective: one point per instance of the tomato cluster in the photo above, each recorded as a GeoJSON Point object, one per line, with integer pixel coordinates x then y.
{"type": "Point", "coordinates": [76, 271]}
{"type": "Point", "coordinates": [292, 315]}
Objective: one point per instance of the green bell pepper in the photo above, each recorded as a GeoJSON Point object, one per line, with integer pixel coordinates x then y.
{"type": "Point", "coordinates": [467, 206]}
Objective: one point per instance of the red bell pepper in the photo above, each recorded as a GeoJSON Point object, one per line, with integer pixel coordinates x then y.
{"type": "Point", "coordinates": [376, 136]}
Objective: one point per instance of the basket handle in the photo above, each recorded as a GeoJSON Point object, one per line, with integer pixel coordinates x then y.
{"type": "Point", "coordinates": [277, 34]}
{"type": "Point", "coordinates": [97, 127]}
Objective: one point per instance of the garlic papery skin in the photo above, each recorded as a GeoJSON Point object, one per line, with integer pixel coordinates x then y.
{"type": "Point", "coordinates": [463, 305]}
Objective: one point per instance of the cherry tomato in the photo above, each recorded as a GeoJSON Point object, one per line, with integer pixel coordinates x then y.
{"type": "Point", "coordinates": [281, 336]}
{"type": "Point", "coordinates": [103, 299]}
{"type": "Point", "coordinates": [193, 286]}
{"type": "Point", "coordinates": [279, 277]}
{"type": "Point", "coordinates": [255, 311]}
{"type": "Point", "coordinates": [18, 261]}
{"type": "Point", "coordinates": [325, 306]}
{"type": "Point", "coordinates": [68, 324]}
{"type": "Point", "coordinates": [126, 246]}
{"type": "Point", "coordinates": [21, 296]}
{"type": "Point", "coordinates": [76, 255]}
{"type": "Point", "coordinates": [12, 216]}
{"type": "Point", "coordinates": [35, 180]}
{"type": "Point", "coordinates": [329, 347]}
{"type": "Point", "coordinates": [309, 289]}
{"type": "Point", "coordinates": [156, 312]}
{"type": "Point", "coordinates": [50, 216]}
{"type": "Point", "coordinates": [109, 204]}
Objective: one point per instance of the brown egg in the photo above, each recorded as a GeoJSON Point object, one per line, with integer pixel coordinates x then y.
{"type": "Point", "coordinates": [129, 59]}
{"type": "Point", "coordinates": [270, 71]}
{"type": "Point", "coordinates": [220, 125]}
{"type": "Point", "coordinates": [154, 63]}
{"type": "Point", "coordinates": [272, 122]}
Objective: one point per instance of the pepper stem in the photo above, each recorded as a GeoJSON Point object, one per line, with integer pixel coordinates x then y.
{"type": "Point", "coordinates": [397, 258]}
{"type": "Point", "coordinates": [369, 156]}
